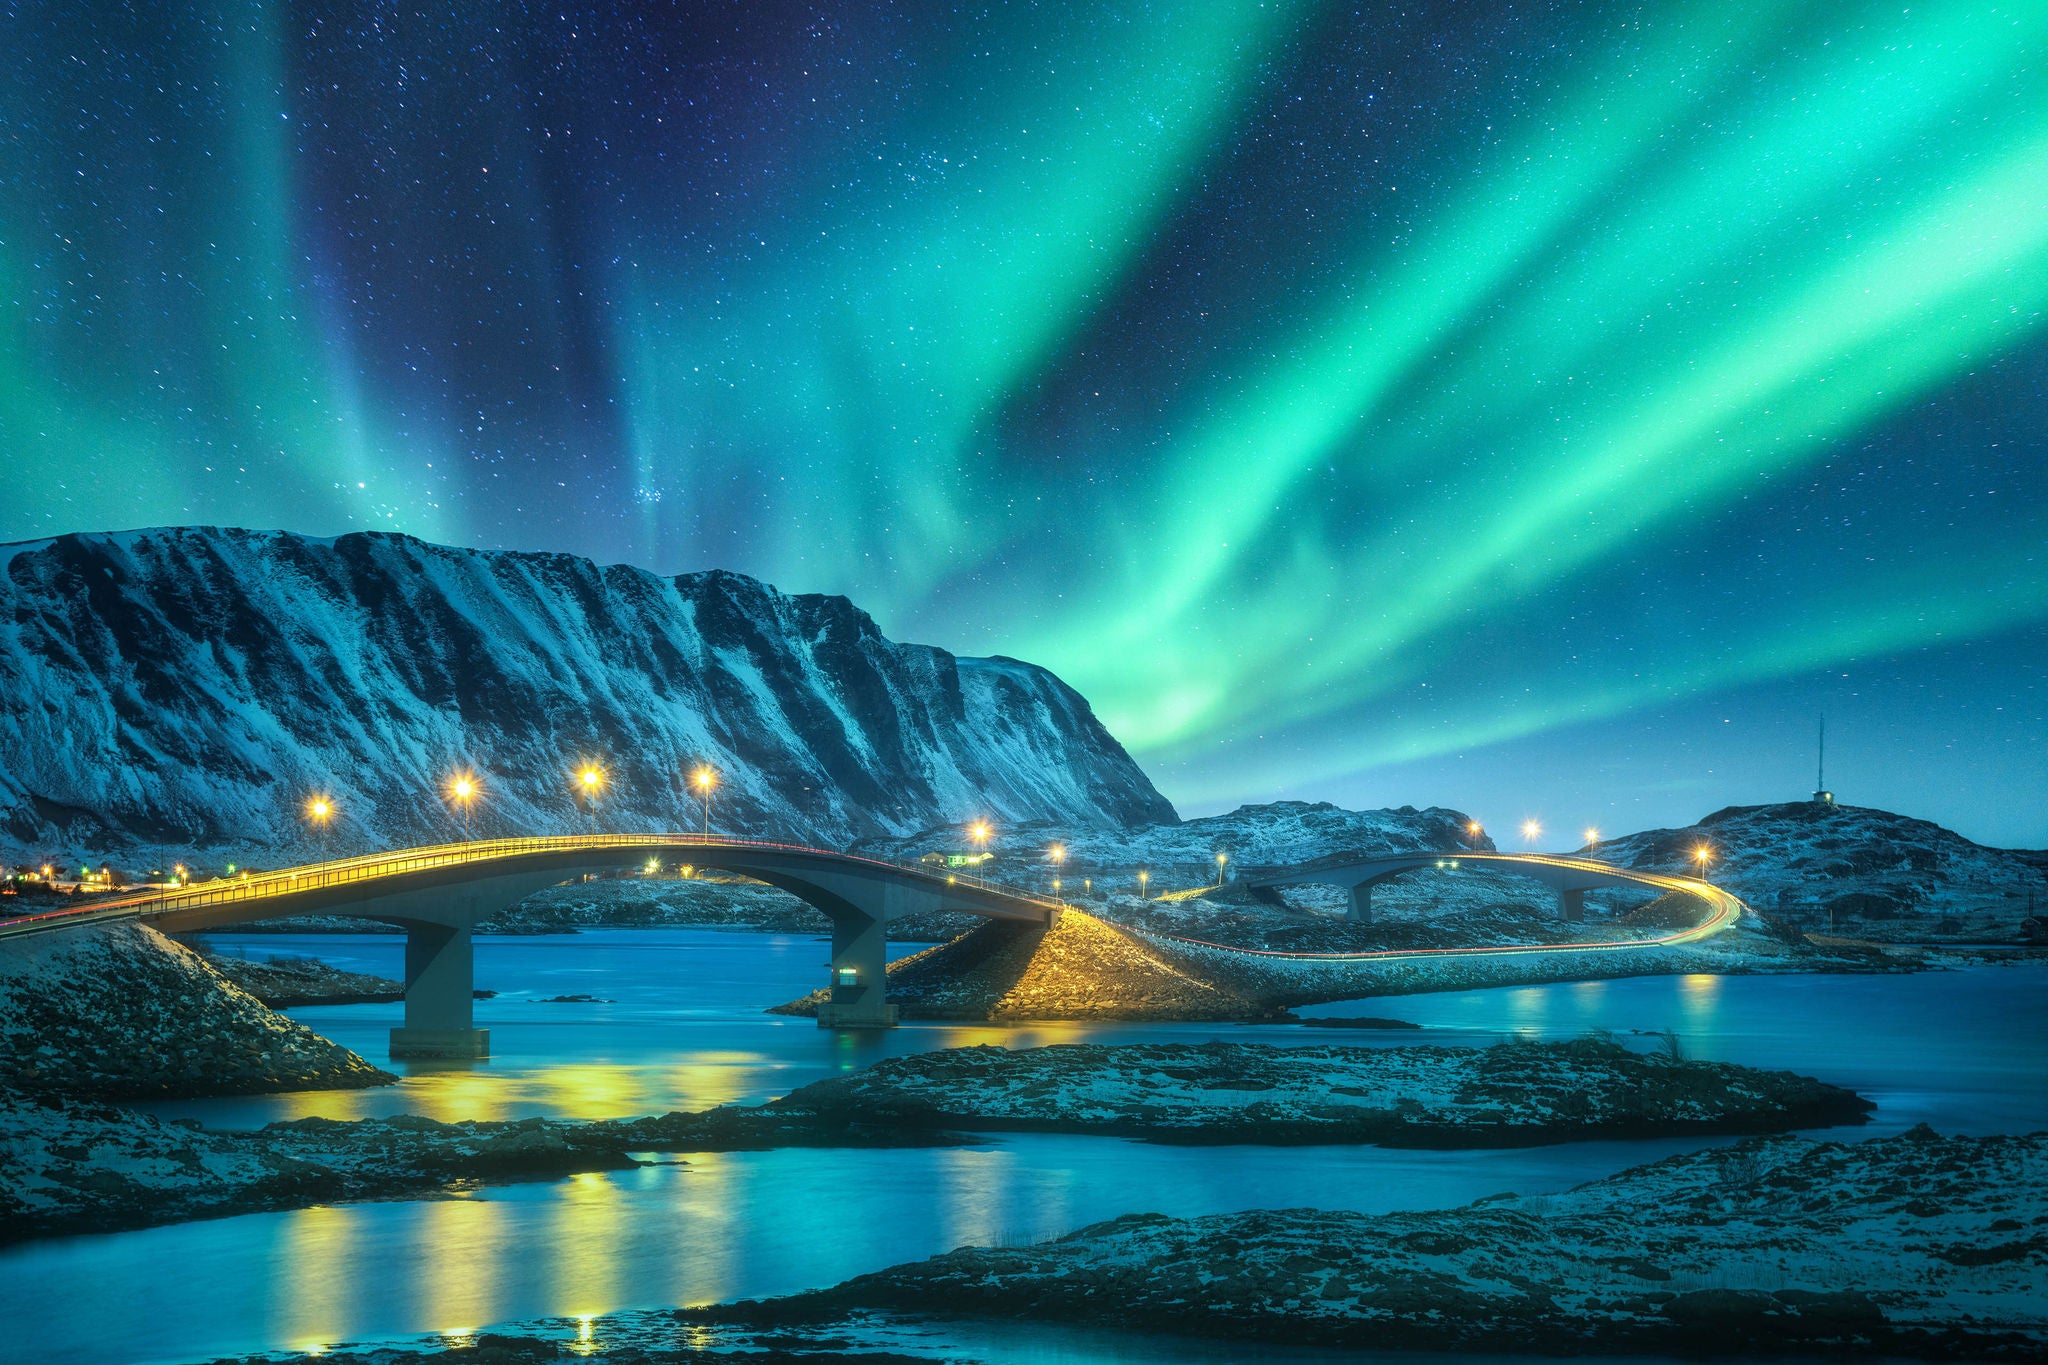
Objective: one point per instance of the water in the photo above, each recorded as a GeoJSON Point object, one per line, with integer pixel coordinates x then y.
{"type": "Point", "coordinates": [1959, 1050]}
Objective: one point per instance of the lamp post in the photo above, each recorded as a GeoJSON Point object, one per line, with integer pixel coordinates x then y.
{"type": "Point", "coordinates": [979, 832]}
{"type": "Point", "coordinates": [1592, 838]}
{"type": "Point", "coordinates": [1143, 877]}
{"type": "Point", "coordinates": [1221, 859]}
{"type": "Point", "coordinates": [1530, 829]}
{"type": "Point", "coordinates": [705, 779]}
{"type": "Point", "coordinates": [1703, 855]}
{"type": "Point", "coordinates": [320, 810]}
{"type": "Point", "coordinates": [1057, 855]}
{"type": "Point", "coordinates": [589, 782]}
{"type": "Point", "coordinates": [462, 790]}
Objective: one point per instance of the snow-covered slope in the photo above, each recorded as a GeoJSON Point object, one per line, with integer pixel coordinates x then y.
{"type": "Point", "coordinates": [1890, 875]}
{"type": "Point", "coordinates": [183, 691]}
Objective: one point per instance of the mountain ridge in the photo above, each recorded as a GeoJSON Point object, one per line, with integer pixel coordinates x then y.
{"type": "Point", "coordinates": [186, 689]}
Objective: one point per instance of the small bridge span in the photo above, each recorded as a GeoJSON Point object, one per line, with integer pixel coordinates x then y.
{"type": "Point", "coordinates": [1570, 878]}
{"type": "Point", "coordinates": [438, 895]}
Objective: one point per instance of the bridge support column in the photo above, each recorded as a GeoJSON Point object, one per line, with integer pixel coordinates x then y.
{"type": "Point", "coordinates": [440, 997]}
{"type": "Point", "coordinates": [860, 973]}
{"type": "Point", "coordinates": [1571, 903]}
{"type": "Point", "coordinates": [1360, 909]}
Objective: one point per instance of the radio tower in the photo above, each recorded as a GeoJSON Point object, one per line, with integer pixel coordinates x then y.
{"type": "Point", "coordinates": [1821, 794]}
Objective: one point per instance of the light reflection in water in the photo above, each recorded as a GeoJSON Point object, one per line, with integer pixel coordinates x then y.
{"type": "Point", "coordinates": [322, 1240]}
{"type": "Point", "coordinates": [1529, 1009]}
{"type": "Point", "coordinates": [582, 1245]}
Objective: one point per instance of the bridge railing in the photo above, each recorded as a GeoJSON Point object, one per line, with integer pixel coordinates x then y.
{"type": "Point", "coordinates": [369, 867]}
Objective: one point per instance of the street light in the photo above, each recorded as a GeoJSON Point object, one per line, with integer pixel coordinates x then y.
{"type": "Point", "coordinates": [1530, 829]}
{"type": "Point", "coordinates": [589, 782]}
{"type": "Point", "coordinates": [1143, 877]}
{"type": "Point", "coordinates": [1057, 855]}
{"type": "Point", "coordinates": [1703, 855]}
{"type": "Point", "coordinates": [704, 779]}
{"type": "Point", "coordinates": [462, 789]}
{"type": "Point", "coordinates": [1592, 838]}
{"type": "Point", "coordinates": [320, 810]}
{"type": "Point", "coordinates": [1221, 859]}
{"type": "Point", "coordinates": [979, 832]}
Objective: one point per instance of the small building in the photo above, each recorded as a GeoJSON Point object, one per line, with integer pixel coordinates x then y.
{"type": "Point", "coordinates": [977, 858]}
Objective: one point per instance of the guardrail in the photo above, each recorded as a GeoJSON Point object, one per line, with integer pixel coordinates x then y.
{"type": "Point", "coordinates": [372, 867]}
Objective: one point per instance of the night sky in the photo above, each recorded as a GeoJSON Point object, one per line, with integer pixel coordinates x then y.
{"type": "Point", "coordinates": [1544, 409]}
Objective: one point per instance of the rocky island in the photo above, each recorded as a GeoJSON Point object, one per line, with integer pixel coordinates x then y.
{"type": "Point", "coordinates": [1913, 1245]}
{"type": "Point", "coordinates": [72, 1167]}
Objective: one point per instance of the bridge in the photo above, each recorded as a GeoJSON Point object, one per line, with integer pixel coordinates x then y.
{"type": "Point", "coordinates": [1570, 878]}
{"type": "Point", "coordinates": [438, 895]}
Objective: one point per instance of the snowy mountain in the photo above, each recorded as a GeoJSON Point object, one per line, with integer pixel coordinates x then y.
{"type": "Point", "coordinates": [183, 692]}
{"type": "Point", "coordinates": [1891, 876]}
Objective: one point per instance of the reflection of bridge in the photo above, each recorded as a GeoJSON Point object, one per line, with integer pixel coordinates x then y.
{"type": "Point", "coordinates": [1571, 878]}
{"type": "Point", "coordinates": [438, 895]}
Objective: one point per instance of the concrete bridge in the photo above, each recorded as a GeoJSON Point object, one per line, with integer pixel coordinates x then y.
{"type": "Point", "coordinates": [1571, 878]}
{"type": "Point", "coordinates": [438, 895]}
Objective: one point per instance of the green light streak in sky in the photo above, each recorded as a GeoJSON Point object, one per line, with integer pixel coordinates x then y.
{"type": "Point", "coordinates": [1016, 188]}
{"type": "Point", "coordinates": [1708, 339]}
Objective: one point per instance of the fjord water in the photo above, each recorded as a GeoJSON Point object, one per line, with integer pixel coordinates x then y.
{"type": "Point", "coordinates": [678, 1025]}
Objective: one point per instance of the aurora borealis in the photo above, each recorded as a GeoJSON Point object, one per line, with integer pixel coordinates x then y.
{"type": "Point", "coordinates": [1540, 409]}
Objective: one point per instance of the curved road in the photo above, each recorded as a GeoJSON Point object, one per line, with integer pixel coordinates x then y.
{"type": "Point", "coordinates": [1724, 907]}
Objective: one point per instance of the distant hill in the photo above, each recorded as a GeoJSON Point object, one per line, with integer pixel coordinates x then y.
{"type": "Point", "coordinates": [1279, 832]}
{"type": "Point", "coordinates": [1886, 875]}
{"type": "Point", "coordinates": [181, 692]}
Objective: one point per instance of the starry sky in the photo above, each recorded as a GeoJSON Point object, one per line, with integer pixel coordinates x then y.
{"type": "Point", "coordinates": [1547, 409]}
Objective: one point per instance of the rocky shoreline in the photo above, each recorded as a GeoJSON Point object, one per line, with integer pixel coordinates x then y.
{"type": "Point", "coordinates": [1443, 1098]}
{"type": "Point", "coordinates": [118, 1011]}
{"type": "Point", "coordinates": [73, 1167]}
{"type": "Point", "coordinates": [1913, 1245]}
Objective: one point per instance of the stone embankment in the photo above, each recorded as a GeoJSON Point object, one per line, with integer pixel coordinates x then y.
{"type": "Point", "coordinates": [120, 1012]}
{"type": "Point", "coordinates": [1914, 1245]}
{"type": "Point", "coordinates": [1089, 968]}
{"type": "Point", "coordinates": [1080, 968]}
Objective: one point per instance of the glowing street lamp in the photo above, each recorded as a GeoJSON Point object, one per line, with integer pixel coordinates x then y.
{"type": "Point", "coordinates": [589, 783]}
{"type": "Point", "coordinates": [979, 832]}
{"type": "Point", "coordinates": [462, 790]}
{"type": "Point", "coordinates": [1143, 877]}
{"type": "Point", "coordinates": [704, 780]}
{"type": "Point", "coordinates": [1530, 829]}
{"type": "Point", "coordinates": [1592, 838]}
{"type": "Point", "coordinates": [1057, 856]}
{"type": "Point", "coordinates": [320, 810]}
{"type": "Point", "coordinates": [1221, 859]}
{"type": "Point", "coordinates": [1703, 855]}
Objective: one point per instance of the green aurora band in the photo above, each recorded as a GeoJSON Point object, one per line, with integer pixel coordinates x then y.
{"type": "Point", "coordinates": [1702, 251]}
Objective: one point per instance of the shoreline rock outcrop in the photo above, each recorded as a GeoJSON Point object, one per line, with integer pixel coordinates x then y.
{"type": "Point", "coordinates": [118, 1011]}
{"type": "Point", "coordinates": [1912, 1245]}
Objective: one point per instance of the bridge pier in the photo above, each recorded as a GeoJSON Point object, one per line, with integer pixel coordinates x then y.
{"type": "Point", "coordinates": [1571, 903]}
{"type": "Point", "coordinates": [440, 996]}
{"type": "Point", "coordinates": [860, 974]}
{"type": "Point", "coordinates": [1359, 911]}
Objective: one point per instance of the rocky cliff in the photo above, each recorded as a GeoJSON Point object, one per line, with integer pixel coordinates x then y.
{"type": "Point", "coordinates": [183, 692]}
